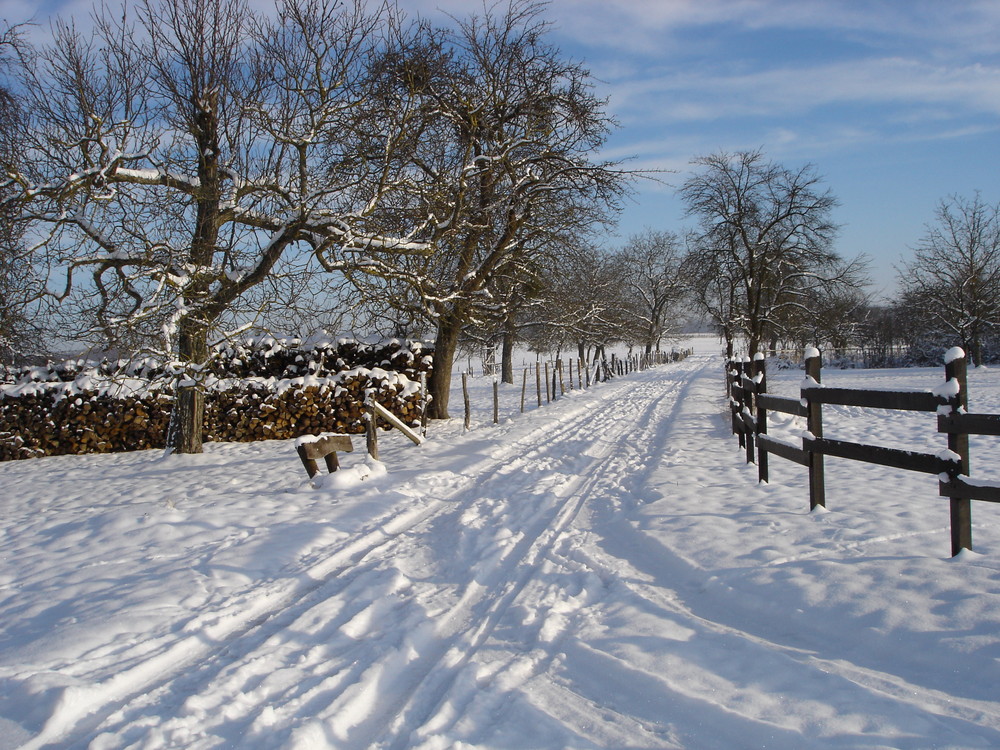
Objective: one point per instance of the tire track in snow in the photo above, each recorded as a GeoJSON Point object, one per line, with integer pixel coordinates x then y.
{"type": "Point", "coordinates": [360, 715]}
{"type": "Point", "coordinates": [643, 566]}
{"type": "Point", "coordinates": [617, 455]}
{"type": "Point", "coordinates": [214, 643]}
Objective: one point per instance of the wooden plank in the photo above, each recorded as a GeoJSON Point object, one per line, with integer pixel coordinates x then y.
{"type": "Point", "coordinates": [782, 404]}
{"type": "Point", "coordinates": [320, 445]}
{"type": "Point", "coordinates": [958, 488]}
{"type": "Point", "coordinates": [970, 424]}
{"type": "Point", "coordinates": [396, 422]}
{"type": "Point", "coordinates": [325, 446]}
{"type": "Point", "coordinates": [739, 428]}
{"type": "Point", "coordinates": [927, 463]}
{"type": "Point", "coordinates": [894, 400]}
{"type": "Point", "coordinates": [784, 450]}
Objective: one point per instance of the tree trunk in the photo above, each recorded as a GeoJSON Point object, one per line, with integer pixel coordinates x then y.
{"type": "Point", "coordinates": [187, 418]}
{"type": "Point", "coordinates": [975, 350]}
{"type": "Point", "coordinates": [439, 383]}
{"type": "Point", "coordinates": [507, 355]}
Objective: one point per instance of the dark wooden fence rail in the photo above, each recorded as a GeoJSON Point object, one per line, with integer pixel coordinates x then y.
{"type": "Point", "coordinates": [750, 404]}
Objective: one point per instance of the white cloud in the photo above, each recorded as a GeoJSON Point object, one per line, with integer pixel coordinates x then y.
{"type": "Point", "coordinates": [964, 27]}
{"type": "Point", "coordinates": [888, 82]}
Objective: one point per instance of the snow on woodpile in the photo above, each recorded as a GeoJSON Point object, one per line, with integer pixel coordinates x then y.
{"type": "Point", "coordinates": [257, 390]}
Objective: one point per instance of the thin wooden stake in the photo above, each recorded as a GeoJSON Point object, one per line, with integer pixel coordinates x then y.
{"type": "Point", "coordinates": [423, 393]}
{"type": "Point", "coordinates": [371, 433]}
{"type": "Point", "coordinates": [465, 396]}
{"type": "Point", "coordinates": [496, 401]}
{"type": "Point", "coordinates": [524, 388]}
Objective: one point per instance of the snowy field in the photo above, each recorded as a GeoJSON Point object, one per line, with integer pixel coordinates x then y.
{"type": "Point", "coordinates": [603, 572]}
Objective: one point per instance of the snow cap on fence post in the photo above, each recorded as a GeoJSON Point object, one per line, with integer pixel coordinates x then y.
{"type": "Point", "coordinates": [956, 352]}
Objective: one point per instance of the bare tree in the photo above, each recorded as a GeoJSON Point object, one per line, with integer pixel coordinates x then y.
{"type": "Point", "coordinates": [654, 286]}
{"type": "Point", "coordinates": [511, 136]}
{"type": "Point", "coordinates": [953, 281]}
{"type": "Point", "coordinates": [713, 281]}
{"type": "Point", "coordinates": [21, 325]}
{"type": "Point", "coordinates": [766, 234]}
{"type": "Point", "coordinates": [179, 161]}
{"type": "Point", "coordinates": [584, 303]}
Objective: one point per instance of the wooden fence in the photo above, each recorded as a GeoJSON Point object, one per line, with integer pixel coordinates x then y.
{"type": "Point", "coordinates": [553, 378]}
{"type": "Point", "coordinates": [750, 403]}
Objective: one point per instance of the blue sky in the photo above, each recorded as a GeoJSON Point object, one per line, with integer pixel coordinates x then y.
{"type": "Point", "coordinates": [895, 102]}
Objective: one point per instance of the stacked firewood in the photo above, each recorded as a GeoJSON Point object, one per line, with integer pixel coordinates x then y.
{"type": "Point", "coordinates": [50, 421]}
{"type": "Point", "coordinates": [97, 414]}
{"type": "Point", "coordinates": [309, 406]}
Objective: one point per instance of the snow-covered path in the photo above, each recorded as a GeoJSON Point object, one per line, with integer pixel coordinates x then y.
{"type": "Point", "coordinates": [600, 573]}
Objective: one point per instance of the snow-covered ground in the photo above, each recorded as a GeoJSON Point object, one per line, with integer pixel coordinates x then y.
{"type": "Point", "coordinates": [603, 572]}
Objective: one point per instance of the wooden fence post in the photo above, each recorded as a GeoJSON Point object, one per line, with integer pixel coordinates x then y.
{"type": "Point", "coordinates": [961, 507]}
{"type": "Point", "coordinates": [760, 375]}
{"type": "Point", "coordinates": [814, 424]}
{"type": "Point", "coordinates": [736, 401]}
{"type": "Point", "coordinates": [524, 387]}
{"type": "Point", "coordinates": [548, 397]}
{"type": "Point", "coordinates": [424, 401]}
{"type": "Point", "coordinates": [731, 374]}
{"type": "Point", "coordinates": [371, 432]}
{"type": "Point", "coordinates": [746, 408]}
{"type": "Point", "coordinates": [538, 382]}
{"type": "Point", "coordinates": [562, 385]}
{"type": "Point", "coordinates": [465, 397]}
{"type": "Point", "coordinates": [496, 401]}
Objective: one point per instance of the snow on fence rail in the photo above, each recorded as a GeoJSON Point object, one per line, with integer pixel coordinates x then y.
{"type": "Point", "coordinates": [750, 403]}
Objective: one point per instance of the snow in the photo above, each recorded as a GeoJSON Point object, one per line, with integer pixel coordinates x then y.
{"type": "Point", "coordinates": [947, 390]}
{"type": "Point", "coordinates": [600, 572]}
{"type": "Point", "coordinates": [956, 352]}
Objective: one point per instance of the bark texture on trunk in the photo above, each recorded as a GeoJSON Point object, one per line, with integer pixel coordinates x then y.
{"type": "Point", "coordinates": [439, 383]}
{"type": "Point", "coordinates": [188, 416]}
{"type": "Point", "coordinates": [507, 358]}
